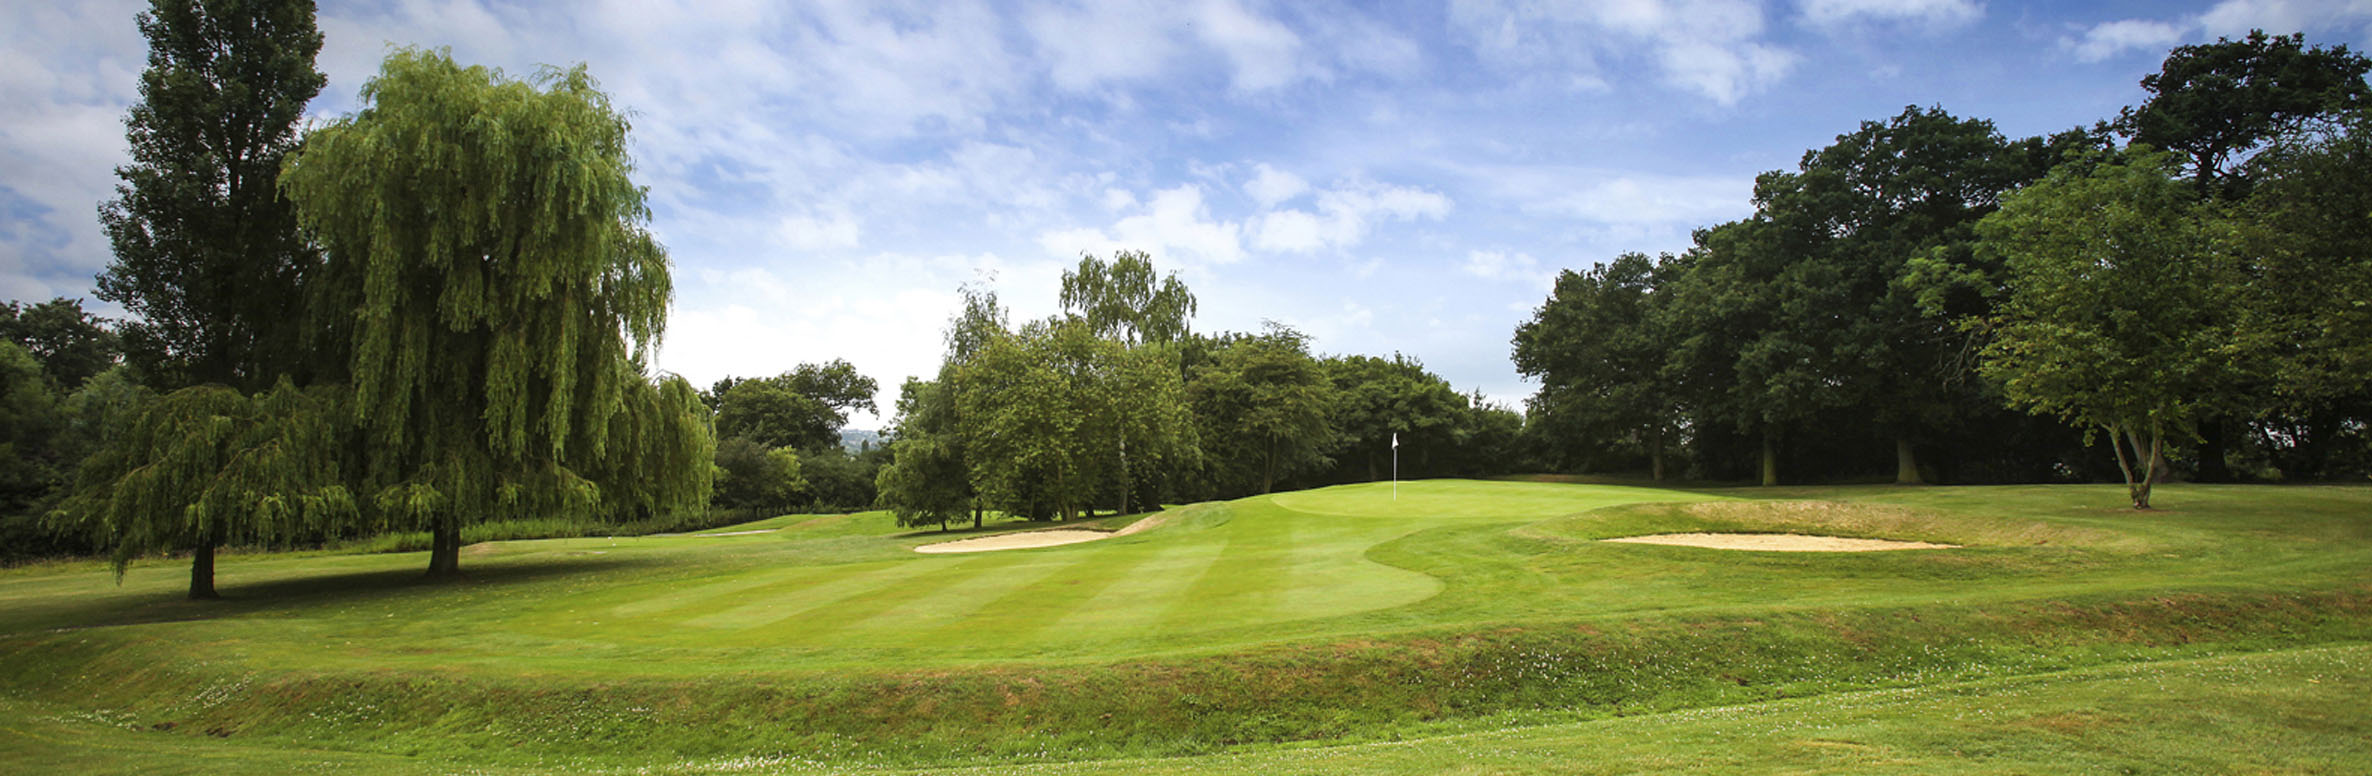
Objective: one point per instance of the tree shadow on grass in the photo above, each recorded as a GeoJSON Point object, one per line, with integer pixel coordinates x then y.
{"type": "Point", "coordinates": [294, 593]}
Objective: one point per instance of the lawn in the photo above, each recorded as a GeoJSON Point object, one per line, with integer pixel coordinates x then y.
{"type": "Point", "coordinates": [1458, 625]}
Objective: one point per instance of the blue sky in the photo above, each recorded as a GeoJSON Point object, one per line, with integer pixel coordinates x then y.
{"type": "Point", "coordinates": [1394, 176]}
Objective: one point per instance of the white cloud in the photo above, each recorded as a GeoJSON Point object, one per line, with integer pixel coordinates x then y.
{"type": "Point", "coordinates": [1270, 186]}
{"type": "Point", "coordinates": [1932, 14]}
{"type": "Point", "coordinates": [2227, 19]}
{"type": "Point", "coordinates": [1710, 47]}
{"type": "Point", "coordinates": [1174, 226]}
{"type": "Point", "coordinates": [1264, 54]}
{"type": "Point", "coordinates": [1501, 265]}
{"type": "Point", "coordinates": [67, 73]}
{"type": "Point", "coordinates": [2234, 18]}
{"type": "Point", "coordinates": [1116, 42]}
{"type": "Point", "coordinates": [1344, 215]}
{"type": "Point", "coordinates": [2112, 38]}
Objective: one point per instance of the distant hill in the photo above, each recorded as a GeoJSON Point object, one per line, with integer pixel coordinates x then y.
{"type": "Point", "coordinates": [856, 439]}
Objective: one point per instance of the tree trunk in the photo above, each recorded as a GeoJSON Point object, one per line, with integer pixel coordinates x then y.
{"type": "Point", "coordinates": [1770, 460]}
{"type": "Point", "coordinates": [1906, 465]}
{"type": "Point", "coordinates": [975, 514]}
{"type": "Point", "coordinates": [2147, 457]}
{"type": "Point", "coordinates": [2213, 441]}
{"type": "Point", "coordinates": [201, 571]}
{"type": "Point", "coordinates": [1655, 453]}
{"type": "Point", "coordinates": [1268, 467]}
{"type": "Point", "coordinates": [1126, 484]}
{"type": "Point", "coordinates": [444, 549]}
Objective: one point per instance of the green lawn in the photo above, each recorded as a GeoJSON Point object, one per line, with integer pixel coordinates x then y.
{"type": "Point", "coordinates": [1477, 622]}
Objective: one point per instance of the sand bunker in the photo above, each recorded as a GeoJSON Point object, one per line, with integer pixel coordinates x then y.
{"type": "Point", "coordinates": [1054, 537]}
{"type": "Point", "coordinates": [1779, 542]}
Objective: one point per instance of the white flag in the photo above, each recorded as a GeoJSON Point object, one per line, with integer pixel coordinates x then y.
{"type": "Point", "coordinates": [1395, 440]}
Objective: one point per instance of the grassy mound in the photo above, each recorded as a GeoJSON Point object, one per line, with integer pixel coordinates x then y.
{"type": "Point", "coordinates": [1342, 614]}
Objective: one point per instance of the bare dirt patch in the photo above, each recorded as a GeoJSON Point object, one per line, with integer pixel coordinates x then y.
{"type": "Point", "coordinates": [1052, 537]}
{"type": "Point", "coordinates": [1779, 542]}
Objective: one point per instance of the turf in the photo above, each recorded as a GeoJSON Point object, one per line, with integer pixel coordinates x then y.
{"type": "Point", "coordinates": [1442, 613]}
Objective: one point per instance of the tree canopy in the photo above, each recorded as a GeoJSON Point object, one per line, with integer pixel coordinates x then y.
{"type": "Point", "coordinates": [1122, 300]}
{"type": "Point", "coordinates": [802, 409]}
{"type": "Point", "coordinates": [72, 345]}
{"type": "Point", "coordinates": [2216, 104]}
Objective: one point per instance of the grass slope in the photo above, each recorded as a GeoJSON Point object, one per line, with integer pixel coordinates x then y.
{"type": "Point", "coordinates": [1342, 614]}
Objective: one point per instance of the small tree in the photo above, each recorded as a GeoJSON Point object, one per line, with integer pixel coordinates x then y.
{"type": "Point", "coordinates": [207, 465]}
{"type": "Point", "coordinates": [2117, 316]}
{"type": "Point", "coordinates": [925, 482]}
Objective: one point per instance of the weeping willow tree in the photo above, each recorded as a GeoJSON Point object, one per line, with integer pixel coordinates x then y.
{"type": "Point", "coordinates": [206, 466]}
{"type": "Point", "coordinates": [488, 265]}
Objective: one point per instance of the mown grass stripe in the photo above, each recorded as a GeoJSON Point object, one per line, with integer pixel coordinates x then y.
{"type": "Point", "coordinates": [969, 616]}
{"type": "Point", "coordinates": [1133, 604]}
{"type": "Point", "coordinates": [791, 597]}
{"type": "Point", "coordinates": [820, 623]}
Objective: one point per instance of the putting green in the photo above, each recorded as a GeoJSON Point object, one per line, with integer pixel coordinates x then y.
{"type": "Point", "coordinates": [1219, 569]}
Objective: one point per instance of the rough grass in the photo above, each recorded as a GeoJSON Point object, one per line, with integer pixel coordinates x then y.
{"type": "Point", "coordinates": [1457, 612]}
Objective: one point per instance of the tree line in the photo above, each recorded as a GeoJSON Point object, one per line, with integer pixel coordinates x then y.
{"type": "Point", "coordinates": [2184, 281]}
{"type": "Point", "coordinates": [432, 313]}
{"type": "Point", "coordinates": [1116, 404]}
{"type": "Point", "coordinates": [438, 312]}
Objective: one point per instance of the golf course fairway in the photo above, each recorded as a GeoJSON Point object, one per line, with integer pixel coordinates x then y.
{"type": "Point", "coordinates": [1451, 626]}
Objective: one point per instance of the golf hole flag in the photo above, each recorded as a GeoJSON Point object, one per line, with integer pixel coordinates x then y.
{"type": "Point", "coordinates": [1395, 466]}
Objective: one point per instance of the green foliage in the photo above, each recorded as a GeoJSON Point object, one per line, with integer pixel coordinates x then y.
{"type": "Point", "coordinates": [29, 422]}
{"type": "Point", "coordinates": [1121, 301]}
{"type": "Point", "coordinates": [1260, 405]}
{"type": "Point", "coordinates": [1474, 621]}
{"type": "Point", "coordinates": [1049, 412]}
{"type": "Point", "coordinates": [1598, 350]}
{"type": "Point", "coordinates": [207, 465]}
{"type": "Point", "coordinates": [926, 481]}
{"type": "Point", "coordinates": [801, 409]}
{"type": "Point", "coordinates": [1375, 398]}
{"type": "Point", "coordinates": [71, 345]}
{"type": "Point", "coordinates": [2120, 312]}
{"type": "Point", "coordinates": [2310, 273]}
{"type": "Point", "coordinates": [2217, 103]}
{"type": "Point", "coordinates": [751, 476]}
{"type": "Point", "coordinates": [836, 480]}
{"type": "Point", "coordinates": [503, 294]}
{"type": "Point", "coordinates": [207, 255]}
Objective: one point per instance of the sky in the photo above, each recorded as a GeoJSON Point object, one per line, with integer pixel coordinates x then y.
{"type": "Point", "coordinates": [1388, 177]}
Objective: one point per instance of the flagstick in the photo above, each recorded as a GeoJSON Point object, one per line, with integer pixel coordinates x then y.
{"type": "Point", "coordinates": [1395, 467]}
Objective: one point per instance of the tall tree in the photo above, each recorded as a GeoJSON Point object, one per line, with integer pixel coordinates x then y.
{"type": "Point", "coordinates": [1598, 350]}
{"type": "Point", "coordinates": [2217, 105]}
{"type": "Point", "coordinates": [207, 253]}
{"type": "Point", "coordinates": [506, 295]}
{"type": "Point", "coordinates": [1863, 216]}
{"type": "Point", "coordinates": [2120, 314]}
{"type": "Point", "coordinates": [1127, 302]}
